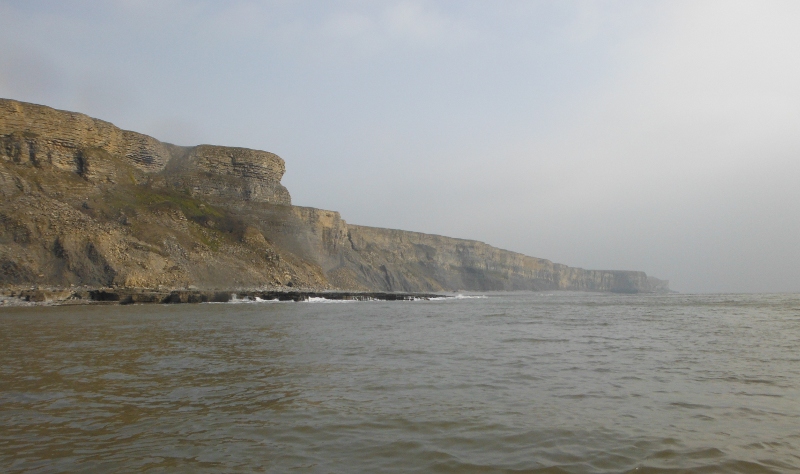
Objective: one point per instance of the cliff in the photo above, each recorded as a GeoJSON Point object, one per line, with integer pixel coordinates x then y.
{"type": "Point", "coordinates": [56, 140]}
{"type": "Point", "coordinates": [86, 203]}
{"type": "Point", "coordinates": [353, 256]}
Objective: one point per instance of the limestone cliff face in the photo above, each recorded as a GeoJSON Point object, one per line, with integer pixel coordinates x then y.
{"type": "Point", "coordinates": [85, 203]}
{"type": "Point", "coordinates": [34, 134]}
{"type": "Point", "coordinates": [229, 173]}
{"type": "Point", "coordinates": [395, 260]}
{"type": "Point", "coordinates": [40, 136]}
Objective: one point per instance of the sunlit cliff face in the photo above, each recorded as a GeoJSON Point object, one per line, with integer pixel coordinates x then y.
{"type": "Point", "coordinates": [88, 203]}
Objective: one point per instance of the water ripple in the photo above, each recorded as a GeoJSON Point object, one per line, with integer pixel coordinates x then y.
{"type": "Point", "coordinates": [523, 382]}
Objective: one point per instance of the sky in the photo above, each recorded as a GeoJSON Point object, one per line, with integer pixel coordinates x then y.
{"type": "Point", "coordinates": [661, 136]}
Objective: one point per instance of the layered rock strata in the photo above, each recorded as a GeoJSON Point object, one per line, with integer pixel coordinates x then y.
{"type": "Point", "coordinates": [85, 203]}
{"type": "Point", "coordinates": [39, 136]}
{"type": "Point", "coordinates": [353, 256]}
{"type": "Point", "coordinates": [227, 173]}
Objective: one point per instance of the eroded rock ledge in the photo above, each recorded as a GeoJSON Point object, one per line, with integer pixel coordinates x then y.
{"type": "Point", "coordinates": [125, 296]}
{"type": "Point", "coordinates": [86, 203]}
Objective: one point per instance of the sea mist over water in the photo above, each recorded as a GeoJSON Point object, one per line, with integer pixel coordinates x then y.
{"type": "Point", "coordinates": [581, 382]}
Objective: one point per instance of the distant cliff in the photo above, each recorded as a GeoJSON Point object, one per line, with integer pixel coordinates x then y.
{"type": "Point", "coordinates": [86, 203]}
{"type": "Point", "coordinates": [354, 256]}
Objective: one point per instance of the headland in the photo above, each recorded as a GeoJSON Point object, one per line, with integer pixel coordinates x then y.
{"type": "Point", "coordinates": [86, 204]}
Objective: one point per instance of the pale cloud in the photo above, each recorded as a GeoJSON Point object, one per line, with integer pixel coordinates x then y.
{"type": "Point", "coordinates": [348, 25]}
{"type": "Point", "coordinates": [696, 92]}
{"type": "Point", "coordinates": [24, 72]}
{"type": "Point", "coordinates": [389, 27]}
{"type": "Point", "coordinates": [420, 24]}
{"type": "Point", "coordinates": [585, 23]}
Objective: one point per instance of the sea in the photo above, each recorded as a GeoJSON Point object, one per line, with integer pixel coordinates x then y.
{"type": "Point", "coordinates": [541, 382]}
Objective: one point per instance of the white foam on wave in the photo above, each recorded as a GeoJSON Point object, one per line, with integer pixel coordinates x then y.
{"type": "Point", "coordinates": [256, 300]}
{"type": "Point", "coordinates": [459, 297]}
{"type": "Point", "coordinates": [235, 299]}
{"type": "Point", "coordinates": [316, 299]}
{"type": "Point", "coordinates": [246, 300]}
{"type": "Point", "coordinates": [259, 300]}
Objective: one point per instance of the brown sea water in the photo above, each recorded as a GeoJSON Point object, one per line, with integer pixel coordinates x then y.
{"type": "Point", "coordinates": [526, 382]}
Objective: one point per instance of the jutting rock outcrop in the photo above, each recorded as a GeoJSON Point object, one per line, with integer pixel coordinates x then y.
{"type": "Point", "coordinates": [86, 203]}
{"type": "Point", "coordinates": [43, 137]}
{"type": "Point", "coordinates": [225, 173]}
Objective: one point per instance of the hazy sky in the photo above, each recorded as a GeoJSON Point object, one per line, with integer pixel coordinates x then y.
{"type": "Point", "coordinates": [642, 135]}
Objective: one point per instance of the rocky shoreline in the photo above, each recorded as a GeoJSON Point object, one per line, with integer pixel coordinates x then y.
{"type": "Point", "coordinates": [124, 296]}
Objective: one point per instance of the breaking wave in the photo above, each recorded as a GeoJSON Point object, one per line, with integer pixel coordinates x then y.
{"type": "Point", "coordinates": [236, 299]}
{"type": "Point", "coordinates": [459, 297]}
{"type": "Point", "coordinates": [315, 299]}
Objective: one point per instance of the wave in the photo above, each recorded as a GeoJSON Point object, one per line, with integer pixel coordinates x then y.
{"type": "Point", "coordinates": [235, 299]}
{"type": "Point", "coordinates": [250, 300]}
{"type": "Point", "coordinates": [458, 297]}
{"type": "Point", "coordinates": [316, 299]}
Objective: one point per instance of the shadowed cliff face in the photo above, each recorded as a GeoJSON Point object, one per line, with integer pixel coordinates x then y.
{"type": "Point", "coordinates": [395, 260]}
{"type": "Point", "coordinates": [85, 203]}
